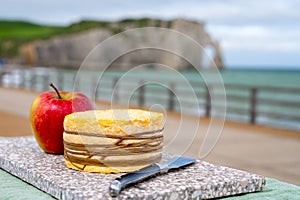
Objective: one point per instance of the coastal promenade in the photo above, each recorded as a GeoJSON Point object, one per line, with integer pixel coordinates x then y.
{"type": "Point", "coordinates": [258, 149]}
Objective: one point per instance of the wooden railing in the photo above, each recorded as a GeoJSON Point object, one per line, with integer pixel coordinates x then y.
{"type": "Point", "coordinates": [249, 103]}
{"type": "Point", "coordinates": [273, 103]}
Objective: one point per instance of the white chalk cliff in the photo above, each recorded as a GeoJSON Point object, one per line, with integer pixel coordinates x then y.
{"type": "Point", "coordinates": [70, 50]}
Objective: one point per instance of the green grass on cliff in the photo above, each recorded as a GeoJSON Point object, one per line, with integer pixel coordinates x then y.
{"type": "Point", "coordinates": [15, 33]}
{"type": "Point", "coordinates": [24, 30]}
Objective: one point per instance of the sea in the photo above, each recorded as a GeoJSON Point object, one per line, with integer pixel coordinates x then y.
{"type": "Point", "coordinates": [230, 91]}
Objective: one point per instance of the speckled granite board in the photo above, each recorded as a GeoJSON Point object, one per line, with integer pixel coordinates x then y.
{"type": "Point", "coordinates": [23, 158]}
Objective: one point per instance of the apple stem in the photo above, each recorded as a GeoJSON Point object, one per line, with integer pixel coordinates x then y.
{"type": "Point", "coordinates": [56, 90]}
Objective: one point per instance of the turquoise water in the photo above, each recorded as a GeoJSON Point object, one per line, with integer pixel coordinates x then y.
{"type": "Point", "coordinates": [277, 78]}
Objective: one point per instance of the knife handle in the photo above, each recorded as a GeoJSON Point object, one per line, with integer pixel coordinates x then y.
{"type": "Point", "coordinates": [123, 181]}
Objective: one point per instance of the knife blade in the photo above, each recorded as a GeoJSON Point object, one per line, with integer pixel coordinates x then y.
{"type": "Point", "coordinates": [158, 168]}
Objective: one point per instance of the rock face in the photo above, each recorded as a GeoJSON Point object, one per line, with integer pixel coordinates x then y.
{"type": "Point", "coordinates": [70, 50]}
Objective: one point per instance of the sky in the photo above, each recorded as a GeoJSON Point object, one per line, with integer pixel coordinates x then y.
{"type": "Point", "coordinates": [257, 33]}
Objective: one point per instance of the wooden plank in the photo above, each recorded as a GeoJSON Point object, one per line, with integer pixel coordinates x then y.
{"type": "Point", "coordinates": [273, 115]}
{"type": "Point", "coordinates": [278, 102]}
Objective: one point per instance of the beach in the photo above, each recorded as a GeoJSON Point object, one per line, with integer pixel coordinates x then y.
{"type": "Point", "coordinates": [271, 152]}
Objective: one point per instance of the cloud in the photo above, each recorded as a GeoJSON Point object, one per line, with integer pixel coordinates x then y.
{"type": "Point", "coordinates": [235, 12]}
{"type": "Point", "coordinates": [258, 45]}
{"type": "Point", "coordinates": [230, 12]}
{"type": "Point", "coordinates": [257, 38]}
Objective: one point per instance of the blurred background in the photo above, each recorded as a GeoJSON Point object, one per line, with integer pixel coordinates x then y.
{"type": "Point", "coordinates": [254, 46]}
{"type": "Point", "coordinates": [252, 34]}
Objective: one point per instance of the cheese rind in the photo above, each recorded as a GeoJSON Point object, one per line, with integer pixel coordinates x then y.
{"type": "Point", "coordinates": [111, 141]}
{"type": "Point", "coordinates": [117, 122]}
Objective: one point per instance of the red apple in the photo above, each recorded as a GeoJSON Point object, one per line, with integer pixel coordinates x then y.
{"type": "Point", "coordinates": [47, 115]}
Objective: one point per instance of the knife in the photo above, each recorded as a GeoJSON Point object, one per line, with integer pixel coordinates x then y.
{"type": "Point", "coordinates": [158, 168]}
